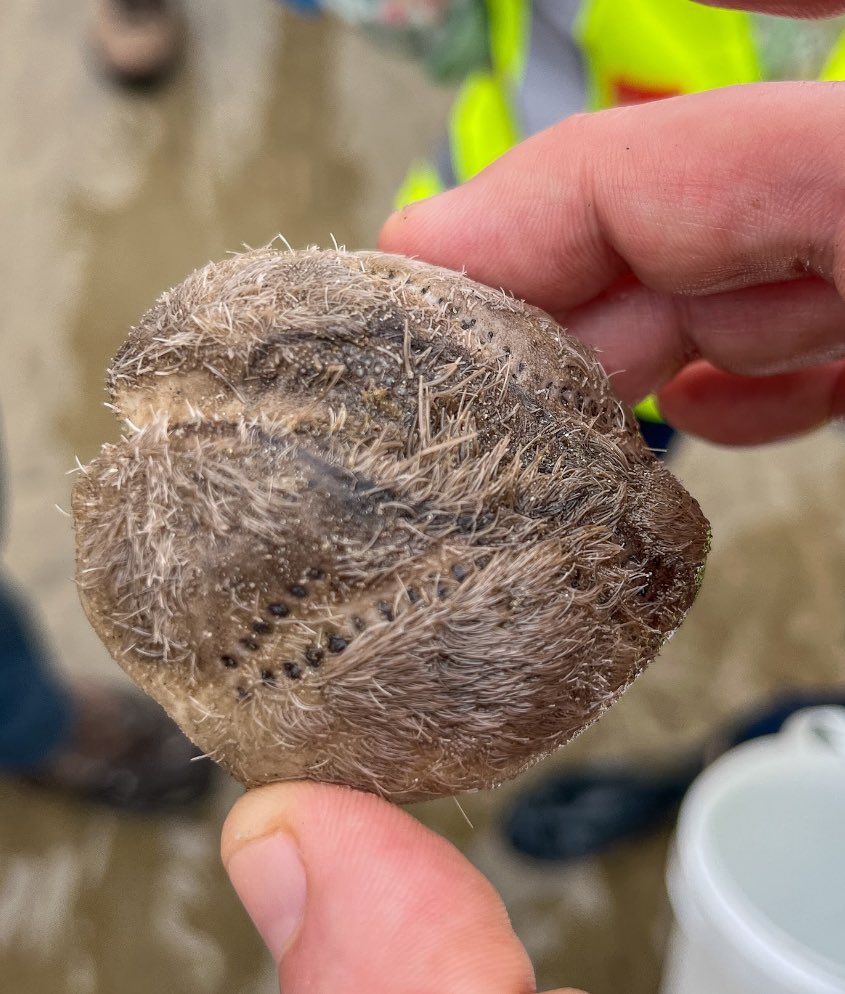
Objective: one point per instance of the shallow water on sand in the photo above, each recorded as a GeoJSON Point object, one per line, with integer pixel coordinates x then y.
{"type": "Point", "coordinates": [280, 124]}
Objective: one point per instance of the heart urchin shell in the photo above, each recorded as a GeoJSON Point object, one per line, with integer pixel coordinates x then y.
{"type": "Point", "coordinates": [373, 523]}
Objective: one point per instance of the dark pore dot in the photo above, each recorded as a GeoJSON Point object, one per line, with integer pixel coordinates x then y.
{"type": "Point", "coordinates": [385, 610]}
{"type": "Point", "coordinates": [229, 662]}
{"type": "Point", "coordinates": [298, 590]}
{"type": "Point", "coordinates": [466, 522]}
{"type": "Point", "coordinates": [262, 628]}
{"type": "Point", "coordinates": [337, 643]}
{"type": "Point", "coordinates": [442, 592]}
{"type": "Point", "coordinates": [268, 677]}
{"type": "Point", "coordinates": [413, 595]}
{"type": "Point", "coordinates": [278, 609]}
{"type": "Point", "coordinates": [358, 623]}
{"type": "Point", "coordinates": [250, 644]}
{"type": "Point", "coordinates": [580, 580]}
{"type": "Point", "coordinates": [459, 572]}
{"type": "Point", "coordinates": [314, 655]}
{"type": "Point", "coordinates": [292, 670]}
{"type": "Point", "coordinates": [244, 694]}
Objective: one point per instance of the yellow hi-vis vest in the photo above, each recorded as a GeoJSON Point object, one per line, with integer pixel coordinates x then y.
{"type": "Point", "coordinates": [633, 49]}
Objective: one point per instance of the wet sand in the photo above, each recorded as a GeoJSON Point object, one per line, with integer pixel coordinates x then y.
{"type": "Point", "coordinates": [278, 124]}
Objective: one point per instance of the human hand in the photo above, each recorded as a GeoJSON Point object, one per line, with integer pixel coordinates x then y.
{"type": "Point", "coordinates": [353, 895]}
{"type": "Point", "coordinates": [697, 243]}
{"type": "Point", "coordinates": [707, 226]}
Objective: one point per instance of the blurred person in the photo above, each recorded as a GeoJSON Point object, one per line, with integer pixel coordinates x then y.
{"type": "Point", "coordinates": [138, 41]}
{"type": "Point", "coordinates": [96, 742]}
{"type": "Point", "coordinates": [697, 243]}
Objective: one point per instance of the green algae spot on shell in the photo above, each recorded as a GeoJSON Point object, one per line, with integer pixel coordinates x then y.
{"type": "Point", "coordinates": [375, 524]}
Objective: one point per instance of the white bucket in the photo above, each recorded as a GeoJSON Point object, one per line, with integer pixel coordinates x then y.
{"type": "Point", "coordinates": [757, 874]}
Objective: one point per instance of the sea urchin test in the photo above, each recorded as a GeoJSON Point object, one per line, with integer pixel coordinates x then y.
{"type": "Point", "coordinates": [372, 523]}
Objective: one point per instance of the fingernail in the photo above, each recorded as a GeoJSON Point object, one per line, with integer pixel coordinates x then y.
{"type": "Point", "coordinates": [269, 878]}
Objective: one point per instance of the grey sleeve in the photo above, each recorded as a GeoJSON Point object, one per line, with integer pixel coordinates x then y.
{"type": "Point", "coordinates": [555, 81]}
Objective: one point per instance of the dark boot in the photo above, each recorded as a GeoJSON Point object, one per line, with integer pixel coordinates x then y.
{"type": "Point", "coordinates": [125, 752]}
{"type": "Point", "coordinates": [138, 40]}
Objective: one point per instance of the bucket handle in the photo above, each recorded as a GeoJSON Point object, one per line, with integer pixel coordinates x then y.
{"type": "Point", "coordinates": [817, 728]}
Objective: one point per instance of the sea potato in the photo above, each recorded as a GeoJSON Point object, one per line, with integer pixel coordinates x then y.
{"type": "Point", "coordinates": [373, 523]}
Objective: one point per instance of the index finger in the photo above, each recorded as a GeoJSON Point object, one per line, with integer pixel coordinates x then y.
{"type": "Point", "coordinates": [694, 195]}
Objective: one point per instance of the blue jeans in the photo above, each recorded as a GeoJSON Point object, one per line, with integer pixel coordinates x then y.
{"type": "Point", "coordinates": [657, 436]}
{"type": "Point", "coordinates": [36, 708]}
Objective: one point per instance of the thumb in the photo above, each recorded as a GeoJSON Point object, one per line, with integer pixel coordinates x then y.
{"type": "Point", "coordinates": [351, 894]}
